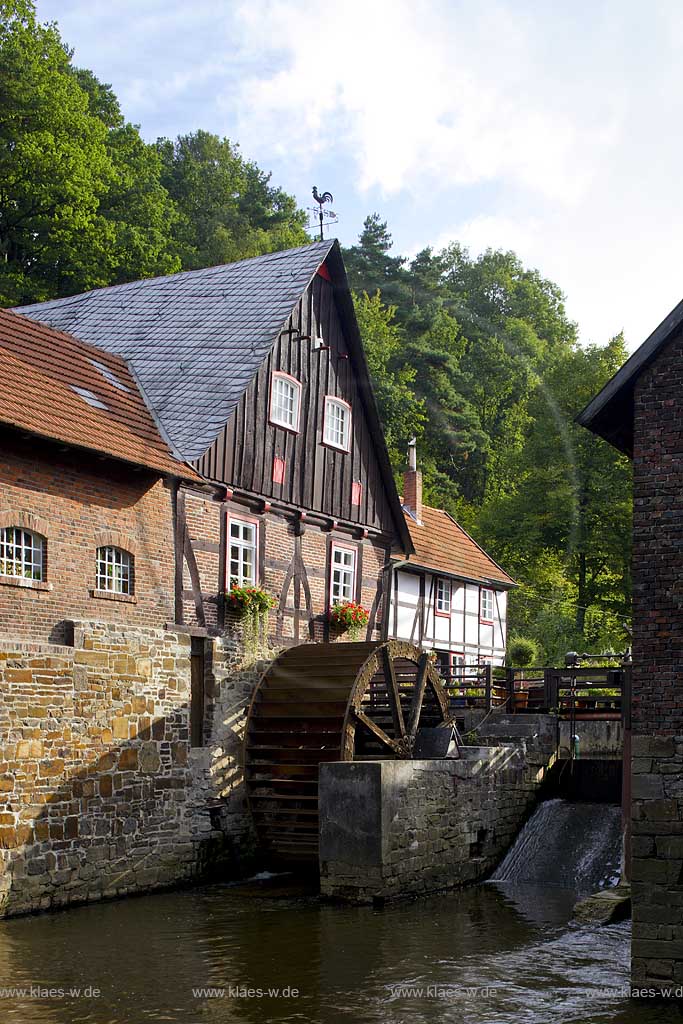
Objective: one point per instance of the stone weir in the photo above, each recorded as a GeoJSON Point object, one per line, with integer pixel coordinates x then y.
{"type": "Point", "coordinates": [401, 828]}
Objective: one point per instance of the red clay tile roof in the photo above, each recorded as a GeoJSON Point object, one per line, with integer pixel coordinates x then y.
{"type": "Point", "coordinates": [441, 544]}
{"type": "Point", "coordinates": [40, 370]}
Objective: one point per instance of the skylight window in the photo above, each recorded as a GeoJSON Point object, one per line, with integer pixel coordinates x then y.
{"type": "Point", "coordinates": [109, 375]}
{"type": "Point", "coordinates": [89, 397]}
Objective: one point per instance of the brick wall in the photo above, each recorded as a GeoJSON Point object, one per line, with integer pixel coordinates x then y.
{"type": "Point", "coordinates": [657, 745]}
{"type": "Point", "coordinates": [80, 504]}
{"type": "Point", "coordinates": [279, 535]}
{"type": "Point", "coordinates": [101, 794]}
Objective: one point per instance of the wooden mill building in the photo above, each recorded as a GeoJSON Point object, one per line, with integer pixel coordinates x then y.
{"type": "Point", "coordinates": [255, 376]}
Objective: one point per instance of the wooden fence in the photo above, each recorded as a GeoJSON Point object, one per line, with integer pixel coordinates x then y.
{"type": "Point", "coordinates": [579, 693]}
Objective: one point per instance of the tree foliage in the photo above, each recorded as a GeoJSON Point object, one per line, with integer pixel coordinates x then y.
{"type": "Point", "coordinates": [497, 376]}
{"type": "Point", "coordinates": [227, 208]}
{"type": "Point", "coordinates": [86, 202]}
{"type": "Point", "coordinates": [474, 356]}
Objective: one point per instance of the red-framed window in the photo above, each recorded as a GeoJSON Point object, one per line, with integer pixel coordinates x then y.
{"type": "Point", "coordinates": [343, 563]}
{"type": "Point", "coordinates": [285, 401]}
{"type": "Point", "coordinates": [444, 596]}
{"type": "Point", "coordinates": [337, 423]}
{"type": "Point", "coordinates": [486, 605]}
{"type": "Point", "coordinates": [242, 551]}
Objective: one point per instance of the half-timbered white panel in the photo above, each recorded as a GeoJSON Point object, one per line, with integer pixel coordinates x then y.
{"type": "Point", "coordinates": [449, 615]}
{"type": "Point", "coordinates": [405, 610]}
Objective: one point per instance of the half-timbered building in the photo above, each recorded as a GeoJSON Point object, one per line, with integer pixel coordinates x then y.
{"type": "Point", "coordinates": [449, 596]}
{"type": "Point", "coordinates": [256, 377]}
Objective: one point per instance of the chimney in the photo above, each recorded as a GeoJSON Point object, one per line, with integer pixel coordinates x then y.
{"type": "Point", "coordinates": [412, 483]}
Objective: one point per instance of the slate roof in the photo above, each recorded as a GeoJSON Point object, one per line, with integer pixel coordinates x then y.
{"type": "Point", "coordinates": [610, 413]}
{"type": "Point", "coordinates": [57, 387]}
{"type": "Point", "coordinates": [194, 340]}
{"type": "Point", "coordinates": [442, 545]}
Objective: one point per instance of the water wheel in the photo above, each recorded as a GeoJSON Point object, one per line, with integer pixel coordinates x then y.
{"type": "Point", "coordinates": [330, 702]}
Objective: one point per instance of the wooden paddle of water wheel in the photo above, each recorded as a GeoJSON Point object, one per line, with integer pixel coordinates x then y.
{"type": "Point", "coordinates": [330, 702]}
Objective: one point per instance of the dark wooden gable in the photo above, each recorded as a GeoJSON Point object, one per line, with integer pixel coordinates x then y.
{"type": "Point", "coordinates": [316, 478]}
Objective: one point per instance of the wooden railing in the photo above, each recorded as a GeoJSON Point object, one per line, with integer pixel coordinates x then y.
{"type": "Point", "coordinates": [586, 692]}
{"type": "Point", "coordinates": [474, 686]}
{"type": "Point", "coordinates": [567, 692]}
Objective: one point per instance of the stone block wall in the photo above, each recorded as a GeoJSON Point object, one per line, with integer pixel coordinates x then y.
{"type": "Point", "coordinates": [397, 828]}
{"type": "Point", "coordinates": [657, 861]}
{"type": "Point", "coordinates": [657, 683]}
{"type": "Point", "coordinates": [101, 794]}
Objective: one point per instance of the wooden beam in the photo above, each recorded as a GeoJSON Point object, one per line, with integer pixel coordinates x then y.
{"type": "Point", "coordinates": [376, 731]}
{"type": "Point", "coordinates": [418, 696]}
{"type": "Point", "coordinates": [394, 694]}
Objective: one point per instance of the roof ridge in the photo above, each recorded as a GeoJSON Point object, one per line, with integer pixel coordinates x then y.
{"type": "Point", "coordinates": [67, 300]}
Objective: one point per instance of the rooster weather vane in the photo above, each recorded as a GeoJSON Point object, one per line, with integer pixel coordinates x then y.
{"type": "Point", "coordinates": [329, 215]}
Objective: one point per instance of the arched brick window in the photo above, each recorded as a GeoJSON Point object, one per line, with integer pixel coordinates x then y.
{"type": "Point", "coordinates": [115, 570]}
{"type": "Point", "coordinates": [22, 553]}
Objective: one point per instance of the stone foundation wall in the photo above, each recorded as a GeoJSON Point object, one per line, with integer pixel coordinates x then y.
{"type": "Point", "coordinates": [397, 828]}
{"type": "Point", "coordinates": [657, 865]}
{"type": "Point", "coordinates": [101, 793]}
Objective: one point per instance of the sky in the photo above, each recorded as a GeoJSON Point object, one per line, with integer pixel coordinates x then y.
{"type": "Point", "coordinates": [552, 129]}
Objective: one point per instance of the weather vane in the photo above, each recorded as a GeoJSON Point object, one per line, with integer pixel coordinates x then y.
{"type": "Point", "coordinates": [323, 215]}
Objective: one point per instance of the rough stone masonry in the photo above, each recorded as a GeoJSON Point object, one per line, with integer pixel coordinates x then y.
{"type": "Point", "coordinates": [101, 794]}
{"type": "Point", "coordinates": [396, 828]}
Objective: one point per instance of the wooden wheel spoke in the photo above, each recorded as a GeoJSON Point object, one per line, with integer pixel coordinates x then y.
{"type": "Point", "coordinates": [376, 730]}
{"type": "Point", "coordinates": [418, 696]}
{"type": "Point", "coordinates": [394, 694]}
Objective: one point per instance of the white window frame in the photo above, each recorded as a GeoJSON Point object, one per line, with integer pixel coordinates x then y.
{"type": "Point", "coordinates": [115, 570]}
{"type": "Point", "coordinates": [443, 604]}
{"type": "Point", "coordinates": [242, 544]}
{"type": "Point", "coordinates": [279, 376]}
{"type": "Point", "coordinates": [330, 431]}
{"type": "Point", "coordinates": [347, 574]}
{"type": "Point", "coordinates": [457, 665]}
{"type": "Point", "coordinates": [22, 553]}
{"type": "Point", "coordinates": [485, 598]}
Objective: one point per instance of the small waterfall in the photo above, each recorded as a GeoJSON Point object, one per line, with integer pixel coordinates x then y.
{"type": "Point", "coordinates": [573, 845]}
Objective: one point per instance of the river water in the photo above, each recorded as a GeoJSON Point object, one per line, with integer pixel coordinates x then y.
{"type": "Point", "coordinates": [496, 953]}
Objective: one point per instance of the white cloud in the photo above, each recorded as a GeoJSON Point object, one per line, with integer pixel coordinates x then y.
{"type": "Point", "coordinates": [547, 128]}
{"type": "Point", "coordinates": [437, 92]}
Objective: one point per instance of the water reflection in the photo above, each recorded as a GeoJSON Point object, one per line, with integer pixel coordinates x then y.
{"type": "Point", "coordinates": [349, 964]}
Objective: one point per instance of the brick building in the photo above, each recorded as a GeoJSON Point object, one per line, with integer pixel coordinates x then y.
{"type": "Point", "coordinates": [640, 412]}
{"type": "Point", "coordinates": [87, 489]}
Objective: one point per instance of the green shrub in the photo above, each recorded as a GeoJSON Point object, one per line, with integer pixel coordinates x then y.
{"type": "Point", "coordinates": [522, 651]}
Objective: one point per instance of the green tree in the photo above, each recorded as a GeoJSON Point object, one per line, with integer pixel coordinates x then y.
{"type": "Point", "coordinates": [53, 159]}
{"type": "Point", "coordinates": [228, 209]}
{"type": "Point", "coordinates": [132, 231]}
{"type": "Point", "coordinates": [370, 268]}
{"type": "Point", "coordinates": [81, 203]}
{"type": "Point", "coordinates": [401, 411]}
